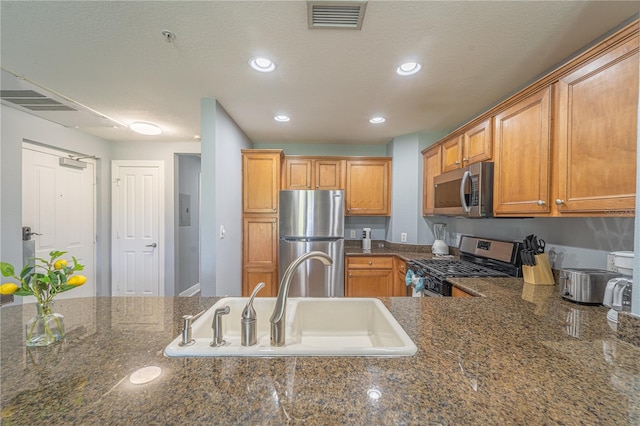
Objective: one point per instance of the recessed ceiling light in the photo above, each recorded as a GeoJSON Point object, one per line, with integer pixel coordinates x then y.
{"type": "Point", "coordinates": [145, 128]}
{"type": "Point", "coordinates": [377, 120]}
{"type": "Point", "coordinates": [262, 64]}
{"type": "Point", "coordinates": [282, 118]}
{"type": "Point", "coordinates": [408, 68]}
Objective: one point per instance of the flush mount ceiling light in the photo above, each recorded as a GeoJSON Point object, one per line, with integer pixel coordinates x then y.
{"type": "Point", "coordinates": [262, 64]}
{"type": "Point", "coordinates": [377, 120]}
{"type": "Point", "coordinates": [282, 118]}
{"type": "Point", "coordinates": [145, 128]}
{"type": "Point", "coordinates": [408, 68]}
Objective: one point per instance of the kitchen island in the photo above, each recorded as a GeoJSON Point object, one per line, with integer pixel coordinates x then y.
{"type": "Point", "coordinates": [517, 355]}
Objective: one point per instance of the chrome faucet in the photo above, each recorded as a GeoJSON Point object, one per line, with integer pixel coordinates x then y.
{"type": "Point", "coordinates": [279, 311]}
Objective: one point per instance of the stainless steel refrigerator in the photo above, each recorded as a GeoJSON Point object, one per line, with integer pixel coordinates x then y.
{"type": "Point", "coordinates": [313, 221]}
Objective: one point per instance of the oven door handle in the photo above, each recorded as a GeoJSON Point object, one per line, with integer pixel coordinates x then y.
{"type": "Point", "coordinates": [463, 182]}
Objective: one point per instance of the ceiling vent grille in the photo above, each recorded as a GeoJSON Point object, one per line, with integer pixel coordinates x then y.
{"type": "Point", "coordinates": [34, 101]}
{"type": "Point", "coordinates": [346, 15]}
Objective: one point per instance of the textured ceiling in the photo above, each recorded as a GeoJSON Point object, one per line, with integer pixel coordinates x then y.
{"type": "Point", "coordinates": [111, 57]}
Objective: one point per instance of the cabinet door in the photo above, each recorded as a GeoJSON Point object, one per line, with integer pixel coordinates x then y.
{"type": "Point", "coordinates": [369, 283]}
{"type": "Point", "coordinates": [452, 154]}
{"type": "Point", "coordinates": [252, 276]}
{"type": "Point", "coordinates": [478, 143]}
{"type": "Point", "coordinates": [260, 182]}
{"type": "Point", "coordinates": [431, 167]}
{"type": "Point", "coordinates": [368, 191]}
{"type": "Point", "coordinates": [400, 286]}
{"type": "Point", "coordinates": [260, 246]}
{"type": "Point", "coordinates": [329, 174]}
{"type": "Point", "coordinates": [521, 169]}
{"type": "Point", "coordinates": [597, 107]}
{"type": "Point", "coordinates": [297, 173]}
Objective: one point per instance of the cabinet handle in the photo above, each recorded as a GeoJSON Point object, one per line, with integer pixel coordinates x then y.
{"type": "Point", "coordinates": [559, 202]}
{"type": "Point", "coordinates": [350, 276]}
{"type": "Point", "coordinates": [370, 263]}
{"type": "Point", "coordinates": [541, 203]}
{"type": "Point", "coordinates": [457, 162]}
{"type": "Point", "coordinates": [465, 159]}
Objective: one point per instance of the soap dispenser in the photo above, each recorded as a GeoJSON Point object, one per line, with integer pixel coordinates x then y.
{"type": "Point", "coordinates": [249, 321]}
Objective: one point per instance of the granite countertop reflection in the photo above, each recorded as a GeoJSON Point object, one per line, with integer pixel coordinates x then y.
{"type": "Point", "coordinates": [516, 355]}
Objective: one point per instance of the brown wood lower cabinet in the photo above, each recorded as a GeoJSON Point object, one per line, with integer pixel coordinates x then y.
{"type": "Point", "coordinates": [369, 283]}
{"type": "Point", "coordinates": [375, 276]}
{"type": "Point", "coordinates": [456, 292]}
{"type": "Point", "coordinates": [400, 288]}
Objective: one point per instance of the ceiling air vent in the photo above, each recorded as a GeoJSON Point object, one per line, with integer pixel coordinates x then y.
{"type": "Point", "coordinates": [346, 15]}
{"type": "Point", "coordinates": [22, 94]}
{"type": "Point", "coordinates": [34, 101]}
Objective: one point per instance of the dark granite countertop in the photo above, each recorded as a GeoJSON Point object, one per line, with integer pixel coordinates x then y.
{"type": "Point", "coordinates": [381, 248]}
{"type": "Point", "coordinates": [519, 355]}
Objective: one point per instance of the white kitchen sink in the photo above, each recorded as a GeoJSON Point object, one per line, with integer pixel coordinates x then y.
{"type": "Point", "coordinates": [314, 327]}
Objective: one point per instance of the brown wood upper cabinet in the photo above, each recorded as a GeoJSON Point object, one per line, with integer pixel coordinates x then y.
{"type": "Point", "coordinates": [521, 160]}
{"type": "Point", "coordinates": [431, 167]}
{"type": "Point", "coordinates": [261, 180]}
{"type": "Point", "coordinates": [368, 189]}
{"type": "Point", "coordinates": [566, 145]}
{"type": "Point", "coordinates": [596, 135]}
{"type": "Point", "coordinates": [313, 173]}
{"type": "Point", "coordinates": [474, 145]}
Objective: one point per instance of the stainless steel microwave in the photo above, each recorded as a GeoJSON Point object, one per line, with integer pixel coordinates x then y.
{"type": "Point", "coordinates": [466, 192]}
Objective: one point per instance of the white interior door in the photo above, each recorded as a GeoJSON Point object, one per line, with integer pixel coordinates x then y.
{"type": "Point", "coordinates": [138, 223]}
{"type": "Point", "coordinates": [59, 203]}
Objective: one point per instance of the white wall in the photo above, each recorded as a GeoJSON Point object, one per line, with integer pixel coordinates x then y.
{"type": "Point", "coordinates": [188, 257]}
{"type": "Point", "coordinates": [17, 126]}
{"type": "Point", "coordinates": [163, 151]}
{"type": "Point", "coordinates": [230, 139]}
{"type": "Point", "coordinates": [406, 197]}
{"type": "Point", "coordinates": [221, 259]}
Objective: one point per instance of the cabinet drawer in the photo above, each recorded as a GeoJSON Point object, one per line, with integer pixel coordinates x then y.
{"type": "Point", "coordinates": [369, 262]}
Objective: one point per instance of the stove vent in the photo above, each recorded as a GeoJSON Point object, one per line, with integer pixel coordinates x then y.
{"type": "Point", "coordinates": [346, 15]}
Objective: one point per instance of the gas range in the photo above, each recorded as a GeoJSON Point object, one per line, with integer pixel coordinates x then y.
{"type": "Point", "coordinates": [479, 257]}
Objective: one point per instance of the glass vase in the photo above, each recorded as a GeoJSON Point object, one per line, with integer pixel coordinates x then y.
{"type": "Point", "coordinates": [46, 327]}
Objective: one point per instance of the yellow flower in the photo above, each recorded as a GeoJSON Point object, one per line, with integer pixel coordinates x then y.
{"type": "Point", "coordinates": [77, 280]}
{"type": "Point", "coordinates": [8, 288]}
{"type": "Point", "coordinates": [60, 264]}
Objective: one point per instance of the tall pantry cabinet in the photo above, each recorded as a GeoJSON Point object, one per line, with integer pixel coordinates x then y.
{"type": "Point", "coordinates": [260, 188]}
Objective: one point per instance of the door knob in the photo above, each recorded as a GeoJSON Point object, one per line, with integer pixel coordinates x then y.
{"type": "Point", "coordinates": [154, 245]}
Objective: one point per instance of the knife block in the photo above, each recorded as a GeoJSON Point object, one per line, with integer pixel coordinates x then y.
{"type": "Point", "coordinates": [540, 274]}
